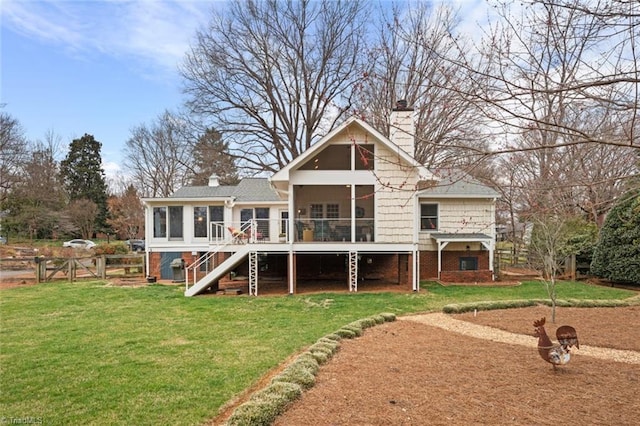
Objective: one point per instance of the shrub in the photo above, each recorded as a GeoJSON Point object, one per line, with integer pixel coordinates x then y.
{"type": "Point", "coordinates": [306, 361]}
{"type": "Point", "coordinates": [301, 371]}
{"type": "Point", "coordinates": [325, 339]}
{"type": "Point", "coordinates": [357, 331]}
{"type": "Point", "coordinates": [507, 304]}
{"type": "Point", "coordinates": [388, 316]}
{"type": "Point", "coordinates": [321, 357]}
{"type": "Point", "coordinates": [296, 374]}
{"type": "Point", "coordinates": [112, 248]}
{"type": "Point", "coordinates": [365, 322]}
{"type": "Point", "coordinates": [333, 336]}
{"type": "Point", "coordinates": [617, 254]}
{"type": "Point", "coordinates": [322, 346]}
{"type": "Point", "coordinates": [280, 392]}
{"type": "Point", "coordinates": [458, 308]}
{"type": "Point", "coordinates": [252, 413]}
{"type": "Point", "coordinates": [345, 333]}
{"type": "Point", "coordinates": [586, 303]}
{"type": "Point", "coordinates": [379, 319]}
{"type": "Point", "coordinates": [265, 405]}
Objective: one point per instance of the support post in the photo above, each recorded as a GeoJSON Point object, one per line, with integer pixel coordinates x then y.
{"type": "Point", "coordinates": [39, 272]}
{"type": "Point", "coordinates": [353, 271]}
{"type": "Point", "coordinates": [415, 269]}
{"type": "Point", "coordinates": [253, 273]}
{"type": "Point", "coordinates": [101, 265]}
{"type": "Point", "coordinates": [293, 284]}
{"type": "Point", "coordinates": [72, 269]}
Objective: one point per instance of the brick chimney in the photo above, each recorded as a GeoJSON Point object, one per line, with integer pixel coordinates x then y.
{"type": "Point", "coordinates": [402, 127]}
{"type": "Point", "coordinates": [214, 180]}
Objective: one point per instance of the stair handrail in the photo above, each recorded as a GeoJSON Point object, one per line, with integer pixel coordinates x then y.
{"type": "Point", "coordinates": [249, 225]}
{"type": "Point", "coordinates": [202, 259]}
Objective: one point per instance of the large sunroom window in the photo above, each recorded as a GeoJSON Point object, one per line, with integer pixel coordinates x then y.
{"type": "Point", "coordinates": [175, 223]}
{"type": "Point", "coordinates": [159, 222]}
{"type": "Point", "coordinates": [200, 222]}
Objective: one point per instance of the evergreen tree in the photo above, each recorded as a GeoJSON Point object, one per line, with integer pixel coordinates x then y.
{"type": "Point", "coordinates": [211, 157]}
{"type": "Point", "coordinates": [617, 255]}
{"type": "Point", "coordinates": [84, 178]}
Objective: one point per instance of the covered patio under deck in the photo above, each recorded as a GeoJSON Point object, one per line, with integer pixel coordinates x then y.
{"type": "Point", "coordinates": [300, 267]}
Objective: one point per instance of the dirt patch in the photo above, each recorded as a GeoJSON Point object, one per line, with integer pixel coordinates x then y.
{"type": "Point", "coordinates": [605, 327]}
{"type": "Point", "coordinates": [408, 373]}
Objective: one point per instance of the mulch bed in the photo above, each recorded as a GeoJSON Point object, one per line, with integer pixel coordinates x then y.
{"type": "Point", "coordinates": [406, 373]}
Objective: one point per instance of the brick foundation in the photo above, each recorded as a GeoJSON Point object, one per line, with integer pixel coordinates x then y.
{"type": "Point", "coordinates": [451, 266]}
{"type": "Point", "coordinates": [428, 265]}
{"type": "Point", "coordinates": [466, 276]}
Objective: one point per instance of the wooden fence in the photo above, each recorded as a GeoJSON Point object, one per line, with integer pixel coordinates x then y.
{"type": "Point", "coordinates": [521, 258]}
{"type": "Point", "coordinates": [513, 256]}
{"type": "Point", "coordinates": [97, 267]}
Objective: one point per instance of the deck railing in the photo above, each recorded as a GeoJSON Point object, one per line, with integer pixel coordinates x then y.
{"type": "Point", "coordinates": [304, 230]}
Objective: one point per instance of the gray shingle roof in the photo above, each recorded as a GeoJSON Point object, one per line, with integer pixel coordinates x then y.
{"type": "Point", "coordinates": [456, 183]}
{"type": "Point", "coordinates": [248, 189]}
{"type": "Point", "coordinates": [459, 237]}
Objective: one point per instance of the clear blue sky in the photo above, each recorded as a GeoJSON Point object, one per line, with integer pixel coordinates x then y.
{"type": "Point", "coordinates": [100, 67]}
{"type": "Point", "coordinates": [97, 67]}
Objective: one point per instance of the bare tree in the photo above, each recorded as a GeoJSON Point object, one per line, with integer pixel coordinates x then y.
{"type": "Point", "coordinates": [13, 151]}
{"type": "Point", "coordinates": [598, 176]}
{"type": "Point", "coordinates": [82, 214]}
{"type": "Point", "coordinates": [37, 199]}
{"type": "Point", "coordinates": [413, 58]}
{"type": "Point", "coordinates": [562, 89]}
{"type": "Point", "coordinates": [554, 239]}
{"type": "Point", "coordinates": [566, 71]}
{"type": "Point", "coordinates": [272, 76]}
{"type": "Point", "coordinates": [126, 213]}
{"type": "Point", "coordinates": [157, 156]}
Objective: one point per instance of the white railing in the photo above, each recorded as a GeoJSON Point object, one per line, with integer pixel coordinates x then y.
{"type": "Point", "coordinates": [304, 230]}
{"type": "Point", "coordinates": [334, 230]}
{"type": "Point", "coordinates": [195, 266]}
{"type": "Point", "coordinates": [256, 230]}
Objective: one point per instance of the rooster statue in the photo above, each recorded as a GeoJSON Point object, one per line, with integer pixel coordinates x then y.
{"type": "Point", "coordinates": [557, 354]}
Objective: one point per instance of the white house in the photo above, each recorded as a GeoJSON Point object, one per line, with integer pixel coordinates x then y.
{"type": "Point", "coordinates": [355, 208]}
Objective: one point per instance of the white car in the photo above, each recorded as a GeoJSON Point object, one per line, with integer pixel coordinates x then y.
{"type": "Point", "coordinates": [77, 243]}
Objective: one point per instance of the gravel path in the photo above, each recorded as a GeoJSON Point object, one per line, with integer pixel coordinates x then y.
{"type": "Point", "coordinates": [465, 328]}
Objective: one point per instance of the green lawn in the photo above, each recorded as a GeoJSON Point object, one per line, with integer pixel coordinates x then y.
{"type": "Point", "coordinates": [84, 353]}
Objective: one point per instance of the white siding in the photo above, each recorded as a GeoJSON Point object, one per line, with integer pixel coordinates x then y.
{"type": "Point", "coordinates": [395, 194]}
{"type": "Point", "coordinates": [461, 216]}
{"type": "Point", "coordinates": [402, 130]}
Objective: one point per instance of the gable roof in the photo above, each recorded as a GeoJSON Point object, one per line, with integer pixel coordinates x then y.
{"type": "Point", "coordinates": [247, 190]}
{"type": "Point", "coordinates": [283, 174]}
{"type": "Point", "coordinates": [455, 183]}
